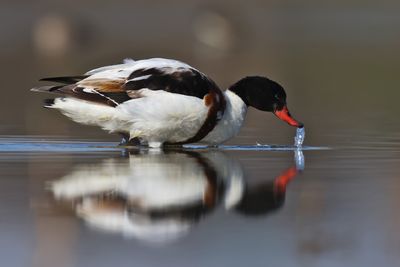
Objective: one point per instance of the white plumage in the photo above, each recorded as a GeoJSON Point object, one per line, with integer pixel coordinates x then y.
{"type": "Point", "coordinates": [122, 71]}
{"type": "Point", "coordinates": [161, 116]}
{"type": "Point", "coordinates": [156, 117]}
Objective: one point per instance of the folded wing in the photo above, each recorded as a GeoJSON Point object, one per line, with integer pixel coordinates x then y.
{"type": "Point", "coordinates": [113, 85]}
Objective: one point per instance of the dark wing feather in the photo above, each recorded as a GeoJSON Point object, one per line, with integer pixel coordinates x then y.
{"type": "Point", "coordinates": [183, 81]}
{"type": "Point", "coordinates": [66, 79]}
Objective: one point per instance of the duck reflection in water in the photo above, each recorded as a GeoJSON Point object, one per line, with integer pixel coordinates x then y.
{"type": "Point", "coordinates": [158, 196]}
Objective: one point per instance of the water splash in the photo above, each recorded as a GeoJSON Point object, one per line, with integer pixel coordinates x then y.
{"type": "Point", "coordinates": [299, 138]}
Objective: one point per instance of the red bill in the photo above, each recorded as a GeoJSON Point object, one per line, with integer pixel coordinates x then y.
{"type": "Point", "coordinates": [284, 115]}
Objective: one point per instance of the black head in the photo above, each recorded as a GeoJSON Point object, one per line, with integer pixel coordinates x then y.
{"type": "Point", "coordinates": [260, 200]}
{"type": "Point", "coordinates": [266, 196]}
{"type": "Point", "coordinates": [266, 95]}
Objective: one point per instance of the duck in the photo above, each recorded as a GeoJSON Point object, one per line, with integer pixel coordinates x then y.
{"type": "Point", "coordinates": [160, 102]}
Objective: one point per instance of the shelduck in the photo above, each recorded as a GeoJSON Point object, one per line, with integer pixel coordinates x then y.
{"type": "Point", "coordinates": [161, 101]}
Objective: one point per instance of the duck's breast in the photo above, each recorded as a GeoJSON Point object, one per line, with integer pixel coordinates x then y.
{"type": "Point", "coordinates": [232, 120]}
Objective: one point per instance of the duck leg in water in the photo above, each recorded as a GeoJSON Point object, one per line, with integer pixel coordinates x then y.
{"type": "Point", "coordinates": [126, 142]}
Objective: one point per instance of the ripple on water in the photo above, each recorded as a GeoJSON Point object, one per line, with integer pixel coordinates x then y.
{"type": "Point", "coordinates": [40, 145]}
{"type": "Point", "coordinates": [32, 145]}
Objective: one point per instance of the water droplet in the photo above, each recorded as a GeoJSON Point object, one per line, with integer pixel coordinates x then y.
{"type": "Point", "coordinates": [299, 138]}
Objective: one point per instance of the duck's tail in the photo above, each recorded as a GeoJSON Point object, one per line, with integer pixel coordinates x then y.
{"type": "Point", "coordinates": [65, 81]}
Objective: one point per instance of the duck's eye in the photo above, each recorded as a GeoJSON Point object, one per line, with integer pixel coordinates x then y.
{"type": "Point", "coordinates": [276, 96]}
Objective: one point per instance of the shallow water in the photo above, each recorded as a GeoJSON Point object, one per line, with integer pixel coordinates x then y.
{"type": "Point", "coordinates": [69, 203]}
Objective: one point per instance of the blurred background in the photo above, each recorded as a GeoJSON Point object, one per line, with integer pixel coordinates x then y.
{"type": "Point", "coordinates": [338, 60]}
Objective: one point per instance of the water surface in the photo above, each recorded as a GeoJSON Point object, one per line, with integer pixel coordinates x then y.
{"type": "Point", "coordinates": [70, 203]}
